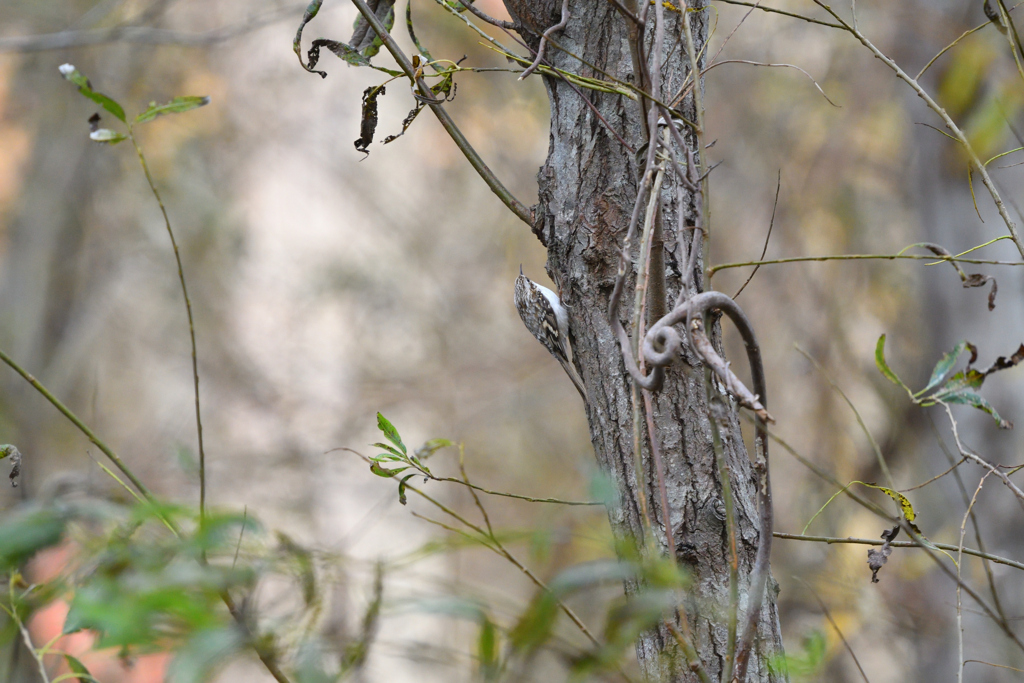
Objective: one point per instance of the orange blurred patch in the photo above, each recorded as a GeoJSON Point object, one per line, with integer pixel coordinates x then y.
{"type": "Point", "coordinates": [48, 623]}
{"type": "Point", "coordinates": [14, 141]}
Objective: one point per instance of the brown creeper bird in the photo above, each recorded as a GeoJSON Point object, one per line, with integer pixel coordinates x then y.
{"type": "Point", "coordinates": [547, 320]}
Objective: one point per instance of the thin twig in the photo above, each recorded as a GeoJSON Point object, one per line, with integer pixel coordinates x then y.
{"type": "Point", "coordinates": [191, 323]}
{"type": "Point", "coordinates": [772, 10]}
{"type": "Point", "coordinates": [828, 615]}
{"type": "Point", "coordinates": [936, 477]}
{"type": "Point", "coordinates": [25, 635]}
{"type": "Point", "coordinates": [771, 224]}
{"type": "Point", "coordinates": [959, 572]}
{"type": "Point", "coordinates": [544, 39]}
{"type": "Point", "coordinates": [507, 198]}
{"type": "Point", "coordinates": [480, 14]}
{"type": "Point", "coordinates": [860, 257]}
{"type": "Point", "coordinates": [899, 544]}
{"type": "Point", "coordinates": [776, 65]}
{"type": "Point", "coordinates": [882, 464]}
{"type": "Point", "coordinates": [1011, 226]}
{"type": "Point", "coordinates": [145, 35]}
{"type": "Point", "coordinates": [974, 518]}
{"type": "Point", "coordinates": [686, 645]}
{"type": "Point", "coordinates": [263, 651]}
{"type": "Point", "coordinates": [495, 545]}
{"type": "Point", "coordinates": [973, 457]}
{"type": "Point", "coordinates": [89, 434]}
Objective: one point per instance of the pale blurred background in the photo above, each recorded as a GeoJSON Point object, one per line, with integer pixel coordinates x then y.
{"type": "Point", "coordinates": [328, 286]}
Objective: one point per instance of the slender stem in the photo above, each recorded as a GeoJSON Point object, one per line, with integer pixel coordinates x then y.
{"type": "Point", "coordinates": [266, 656]}
{"type": "Point", "coordinates": [516, 206]}
{"type": "Point", "coordinates": [861, 257]}
{"type": "Point", "coordinates": [544, 39]}
{"type": "Point", "coordinates": [25, 635]}
{"type": "Point", "coordinates": [692, 658]}
{"type": "Point", "coordinates": [882, 464]}
{"type": "Point", "coordinates": [495, 545]}
{"type": "Point", "coordinates": [900, 544]}
{"type": "Point", "coordinates": [828, 615]}
{"type": "Point", "coordinates": [191, 324]}
{"type": "Point", "coordinates": [700, 130]}
{"type": "Point", "coordinates": [997, 603]}
{"type": "Point", "coordinates": [772, 10]}
{"type": "Point", "coordinates": [481, 489]}
{"type": "Point", "coordinates": [89, 434]}
{"type": "Point", "coordinates": [500, 23]}
{"type": "Point", "coordinates": [934, 106]}
{"type": "Point", "coordinates": [959, 573]}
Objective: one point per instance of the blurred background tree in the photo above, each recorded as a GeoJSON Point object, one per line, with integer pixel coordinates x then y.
{"type": "Point", "coordinates": [324, 293]}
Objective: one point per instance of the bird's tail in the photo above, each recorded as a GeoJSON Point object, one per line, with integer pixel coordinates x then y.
{"type": "Point", "coordinates": [570, 370]}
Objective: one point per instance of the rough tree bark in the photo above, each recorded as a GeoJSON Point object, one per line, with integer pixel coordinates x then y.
{"type": "Point", "coordinates": [587, 188]}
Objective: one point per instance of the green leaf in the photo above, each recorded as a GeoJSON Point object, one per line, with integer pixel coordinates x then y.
{"type": "Point", "coordinates": [388, 448]}
{"type": "Point", "coordinates": [943, 367]}
{"type": "Point", "coordinates": [431, 447]}
{"type": "Point", "coordinates": [389, 431]}
{"type": "Point", "coordinates": [24, 533]}
{"type": "Point", "coordinates": [487, 650]}
{"type": "Point", "coordinates": [106, 135]}
{"type": "Point", "coordinates": [883, 367]}
{"type": "Point", "coordinates": [79, 669]}
{"type": "Point", "coordinates": [85, 87]}
{"type": "Point", "coordinates": [175, 106]}
{"type": "Point", "coordinates": [204, 652]}
{"type": "Point", "coordinates": [401, 489]}
{"type": "Point", "coordinates": [536, 624]}
{"type": "Point", "coordinates": [342, 50]}
{"type": "Point", "coordinates": [972, 399]}
{"type": "Point", "coordinates": [387, 474]}
{"type": "Point", "coordinates": [364, 38]}
{"type": "Point", "coordinates": [416, 461]}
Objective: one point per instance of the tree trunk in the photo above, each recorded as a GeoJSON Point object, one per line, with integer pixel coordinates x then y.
{"type": "Point", "coordinates": [588, 186]}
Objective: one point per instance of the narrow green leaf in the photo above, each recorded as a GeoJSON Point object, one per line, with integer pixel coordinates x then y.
{"type": "Point", "coordinates": [203, 653]}
{"type": "Point", "coordinates": [388, 448]}
{"type": "Point", "coordinates": [487, 650]}
{"type": "Point", "coordinates": [535, 625]}
{"type": "Point", "coordinates": [24, 533]}
{"type": "Point", "coordinates": [943, 367]}
{"type": "Point", "coordinates": [388, 457]}
{"type": "Point", "coordinates": [905, 506]}
{"type": "Point", "coordinates": [386, 473]}
{"type": "Point", "coordinates": [85, 87]}
{"type": "Point", "coordinates": [883, 367]}
{"type": "Point", "coordinates": [389, 431]}
{"type": "Point", "coordinates": [431, 447]}
{"type": "Point", "coordinates": [970, 398]}
{"type": "Point", "coordinates": [106, 135]}
{"type": "Point", "coordinates": [175, 106]}
{"type": "Point", "coordinates": [401, 488]}
{"type": "Point", "coordinates": [79, 669]}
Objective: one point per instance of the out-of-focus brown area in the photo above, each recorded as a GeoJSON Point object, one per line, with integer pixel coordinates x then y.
{"type": "Point", "coordinates": [328, 286]}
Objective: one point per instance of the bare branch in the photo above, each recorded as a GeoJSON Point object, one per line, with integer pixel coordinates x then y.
{"type": "Point", "coordinates": [145, 35]}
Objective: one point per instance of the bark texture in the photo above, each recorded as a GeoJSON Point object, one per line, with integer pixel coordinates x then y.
{"type": "Point", "coordinates": [587, 188]}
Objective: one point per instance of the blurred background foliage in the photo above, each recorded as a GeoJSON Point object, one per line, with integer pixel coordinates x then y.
{"type": "Point", "coordinates": [328, 286]}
